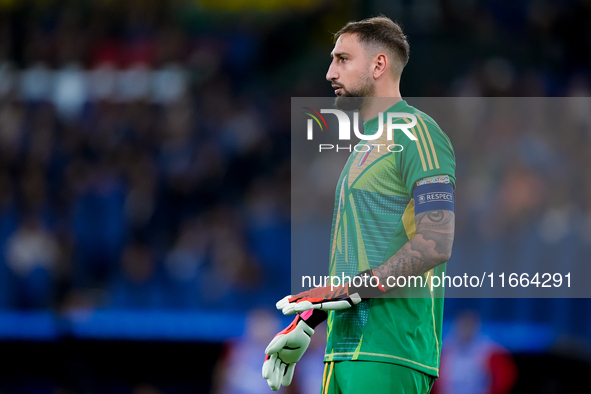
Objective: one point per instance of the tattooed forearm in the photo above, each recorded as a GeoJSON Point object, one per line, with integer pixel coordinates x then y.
{"type": "Point", "coordinates": [437, 226]}
{"type": "Point", "coordinates": [430, 247]}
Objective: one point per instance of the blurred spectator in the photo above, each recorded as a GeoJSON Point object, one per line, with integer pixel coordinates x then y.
{"type": "Point", "coordinates": [31, 255]}
{"type": "Point", "coordinates": [232, 281]}
{"type": "Point", "coordinates": [185, 265]}
{"type": "Point", "coordinates": [137, 285]}
{"type": "Point", "coordinates": [471, 363]}
{"type": "Point", "coordinates": [98, 220]}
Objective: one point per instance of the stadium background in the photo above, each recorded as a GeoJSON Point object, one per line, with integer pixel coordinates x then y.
{"type": "Point", "coordinates": [144, 169]}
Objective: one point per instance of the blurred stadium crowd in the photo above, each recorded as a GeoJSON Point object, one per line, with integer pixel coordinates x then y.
{"type": "Point", "coordinates": [133, 174]}
{"type": "Point", "coordinates": [144, 145]}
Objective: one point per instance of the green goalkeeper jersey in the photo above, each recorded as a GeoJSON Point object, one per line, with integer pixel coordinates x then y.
{"type": "Point", "coordinates": [373, 217]}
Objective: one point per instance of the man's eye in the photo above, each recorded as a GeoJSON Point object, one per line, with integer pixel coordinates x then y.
{"type": "Point", "coordinates": [343, 59]}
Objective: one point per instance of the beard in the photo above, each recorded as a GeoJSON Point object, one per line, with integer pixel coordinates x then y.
{"type": "Point", "coordinates": [355, 99]}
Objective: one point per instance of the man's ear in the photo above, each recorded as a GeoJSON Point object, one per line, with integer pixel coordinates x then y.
{"type": "Point", "coordinates": [380, 65]}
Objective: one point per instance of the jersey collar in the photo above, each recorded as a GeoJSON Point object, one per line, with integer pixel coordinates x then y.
{"type": "Point", "coordinates": [371, 125]}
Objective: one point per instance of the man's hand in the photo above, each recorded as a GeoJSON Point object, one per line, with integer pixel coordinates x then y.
{"type": "Point", "coordinates": [363, 286]}
{"type": "Point", "coordinates": [286, 349]}
{"type": "Point", "coordinates": [277, 372]}
{"type": "Point", "coordinates": [319, 298]}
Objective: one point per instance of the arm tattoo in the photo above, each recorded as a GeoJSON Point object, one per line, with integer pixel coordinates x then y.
{"type": "Point", "coordinates": [430, 247]}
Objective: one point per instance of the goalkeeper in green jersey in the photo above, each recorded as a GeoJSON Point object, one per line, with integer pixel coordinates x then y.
{"type": "Point", "coordinates": [393, 219]}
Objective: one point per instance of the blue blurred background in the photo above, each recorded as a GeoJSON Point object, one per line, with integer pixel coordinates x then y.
{"type": "Point", "coordinates": [145, 177]}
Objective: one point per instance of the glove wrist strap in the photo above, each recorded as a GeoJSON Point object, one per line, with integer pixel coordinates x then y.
{"type": "Point", "coordinates": [313, 317]}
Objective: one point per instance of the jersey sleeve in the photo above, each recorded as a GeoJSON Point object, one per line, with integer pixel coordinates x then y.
{"type": "Point", "coordinates": [430, 155]}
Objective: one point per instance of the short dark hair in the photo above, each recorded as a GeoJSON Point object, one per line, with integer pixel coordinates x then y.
{"type": "Point", "coordinates": [380, 31]}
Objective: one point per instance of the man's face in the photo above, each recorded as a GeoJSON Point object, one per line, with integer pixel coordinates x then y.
{"type": "Point", "coordinates": [349, 73]}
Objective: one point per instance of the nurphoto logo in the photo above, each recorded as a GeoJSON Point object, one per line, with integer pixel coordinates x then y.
{"type": "Point", "coordinates": [345, 129]}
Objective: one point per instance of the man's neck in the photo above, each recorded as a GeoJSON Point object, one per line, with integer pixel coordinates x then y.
{"type": "Point", "coordinates": [382, 100]}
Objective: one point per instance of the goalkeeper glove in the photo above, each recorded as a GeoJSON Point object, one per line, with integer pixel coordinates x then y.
{"type": "Point", "coordinates": [286, 349]}
{"type": "Point", "coordinates": [333, 297]}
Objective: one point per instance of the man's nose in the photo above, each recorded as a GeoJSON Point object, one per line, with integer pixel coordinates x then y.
{"type": "Point", "coordinates": [332, 74]}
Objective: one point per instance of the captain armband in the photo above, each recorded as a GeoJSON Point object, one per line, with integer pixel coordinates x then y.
{"type": "Point", "coordinates": [433, 196]}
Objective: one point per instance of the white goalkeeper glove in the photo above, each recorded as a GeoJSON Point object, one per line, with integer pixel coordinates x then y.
{"type": "Point", "coordinates": [288, 346]}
